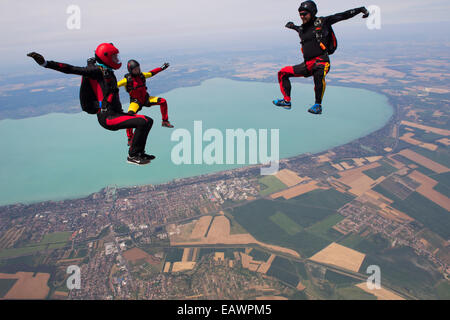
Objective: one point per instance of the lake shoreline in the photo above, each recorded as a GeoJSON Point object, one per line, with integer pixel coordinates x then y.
{"type": "Point", "coordinates": [193, 176]}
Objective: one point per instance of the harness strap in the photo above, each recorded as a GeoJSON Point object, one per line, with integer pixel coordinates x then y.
{"type": "Point", "coordinates": [130, 82]}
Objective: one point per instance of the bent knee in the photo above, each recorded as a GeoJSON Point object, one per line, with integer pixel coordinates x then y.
{"type": "Point", "coordinates": [289, 70]}
{"type": "Point", "coordinates": [144, 121]}
{"type": "Point", "coordinates": [149, 121]}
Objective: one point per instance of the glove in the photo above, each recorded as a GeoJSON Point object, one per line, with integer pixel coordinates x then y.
{"type": "Point", "coordinates": [165, 66]}
{"type": "Point", "coordinates": [37, 57]}
{"type": "Point", "coordinates": [290, 25]}
{"type": "Point", "coordinates": [365, 11]}
{"type": "Point", "coordinates": [91, 61]}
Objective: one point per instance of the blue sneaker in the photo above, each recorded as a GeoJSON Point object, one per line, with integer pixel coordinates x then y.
{"type": "Point", "coordinates": [282, 103]}
{"type": "Point", "coordinates": [315, 109]}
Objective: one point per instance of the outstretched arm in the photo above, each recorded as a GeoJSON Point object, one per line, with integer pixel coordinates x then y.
{"type": "Point", "coordinates": [63, 67]}
{"type": "Point", "coordinates": [346, 15]}
{"type": "Point", "coordinates": [291, 25]}
{"type": "Point", "coordinates": [153, 72]}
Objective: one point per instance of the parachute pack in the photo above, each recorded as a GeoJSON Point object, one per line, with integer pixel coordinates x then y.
{"type": "Point", "coordinates": [88, 99]}
{"type": "Point", "coordinates": [325, 36]}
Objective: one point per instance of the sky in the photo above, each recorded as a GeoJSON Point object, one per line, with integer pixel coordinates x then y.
{"type": "Point", "coordinates": [179, 24]}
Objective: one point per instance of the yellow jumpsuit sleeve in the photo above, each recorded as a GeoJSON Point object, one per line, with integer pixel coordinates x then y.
{"type": "Point", "coordinates": [122, 83]}
{"type": "Point", "coordinates": [135, 107]}
{"type": "Point", "coordinates": [147, 74]}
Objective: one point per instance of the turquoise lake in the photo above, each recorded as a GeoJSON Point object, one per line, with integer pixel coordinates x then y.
{"type": "Point", "coordinates": [59, 156]}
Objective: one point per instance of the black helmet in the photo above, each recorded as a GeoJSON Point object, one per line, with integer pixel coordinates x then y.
{"type": "Point", "coordinates": [309, 6]}
{"type": "Point", "coordinates": [132, 64]}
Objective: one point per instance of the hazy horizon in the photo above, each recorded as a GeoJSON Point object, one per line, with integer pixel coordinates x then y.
{"type": "Point", "coordinates": [198, 26]}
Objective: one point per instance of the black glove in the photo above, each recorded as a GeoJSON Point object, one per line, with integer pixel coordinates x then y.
{"type": "Point", "coordinates": [165, 66]}
{"type": "Point", "coordinates": [365, 11]}
{"type": "Point", "coordinates": [37, 57]}
{"type": "Point", "coordinates": [290, 25]}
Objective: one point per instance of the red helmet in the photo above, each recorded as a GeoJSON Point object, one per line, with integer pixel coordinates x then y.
{"type": "Point", "coordinates": [108, 55]}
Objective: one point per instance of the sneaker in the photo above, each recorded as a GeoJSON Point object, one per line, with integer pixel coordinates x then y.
{"type": "Point", "coordinates": [315, 109]}
{"type": "Point", "coordinates": [149, 157]}
{"type": "Point", "coordinates": [282, 103]}
{"type": "Point", "coordinates": [166, 124]}
{"type": "Point", "coordinates": [138, 160]}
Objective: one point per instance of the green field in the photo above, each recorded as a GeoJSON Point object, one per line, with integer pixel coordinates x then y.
{"type": "Point", "coordinates": [441, 155]}
{"type": "Point", "coordinates": [235, 228]}
{"type": "Point", "coordinates": [6, 285]}
{"type": "Point", "coordinates": [404, 269]}
{"type": "Point", "coordinates": [50, 241]}
{"type": "Point", "coordinates": [426, 137]}
{"type": "Point", "coordinates": [351, 240]}
{"type": "Point", "coordinates": [255, 218]}
{"type": "Point", "coordinates": [384, 170]}
{"type": "Point", "coordinates": [282, 222]}
{"type": "Point", "coordinates": [174, 254]}
{"type": "Point", "coordinates": [310, 243]}
{"type": "Point", "coordinates": [443, 290]}
{"type": "Point", "coordinates": [28, 260]}
{"type": "Point", "coordinates": [301, 270]}
{"type": "Point", "coordinates": [259, 255]}
{"type": "Point", "coordinates": [443, 185]}
{"type": "Point", "coordinates": [283, 263]}
{"type": "Point", "coordinates": [270, 184]}
{"type": "Point", "coordinates": [324, 227]}
{"type": "Point", "coordinates": [284, 270]}
{"type": "Point", "coordinates": [340, 280]}
{"type": "Point", "coordinates": [373, 244]}
{"type": "Point", "coordinates": [11, 252]}
{"type": "Point", "coordinates": [407, 161]}
{"type": "Point", "coordinates": [283, 275]}
{"type": "Point", "coordinates": [431, 215]}
{"type": "Point", "coordinates": [329, 199]}
{"type": "Point", "coordinates": [288, 271]}
{"type": "Point", "coordinates": [354, 293]}
{"type": "Point", "coordinates": [56, 237]}
{"type": "Point", "coordinates": [285, 223]}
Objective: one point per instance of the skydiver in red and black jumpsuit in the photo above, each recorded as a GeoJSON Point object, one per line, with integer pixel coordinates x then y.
{"type": "Point", "coordinates": [316, 60]}
{"type": "Point", "coordinates": [110, 114]}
